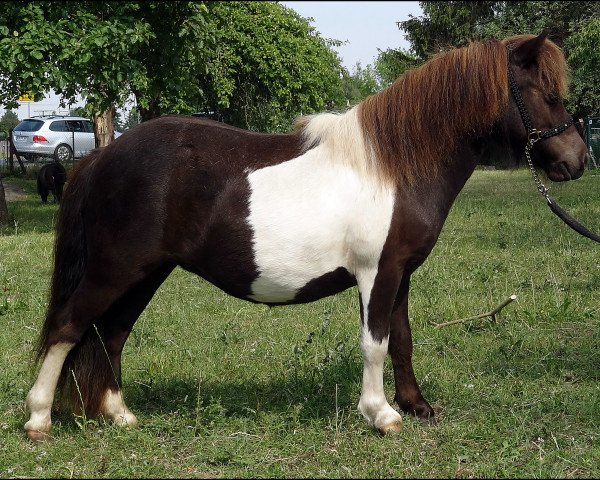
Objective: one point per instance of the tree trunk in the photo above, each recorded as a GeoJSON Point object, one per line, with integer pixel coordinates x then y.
{"type": "Point", "coordinates": [3, 206]}
{"type": "Point", "coordinates": [153, 110]}
{"type": "Point", "coordinates": [104, 131]}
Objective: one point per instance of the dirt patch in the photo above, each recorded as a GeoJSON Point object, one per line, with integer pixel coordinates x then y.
{"type": "Point", "coordinates": [12, 192]}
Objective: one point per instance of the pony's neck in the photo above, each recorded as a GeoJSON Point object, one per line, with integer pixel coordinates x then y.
{"type": "Point", "coordinates": [417, 124]}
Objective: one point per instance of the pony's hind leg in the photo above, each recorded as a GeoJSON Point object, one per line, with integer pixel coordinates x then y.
{"type": "Point", "coordinates": [377, 295]}
{"type": "Point", "coordinates": [40, 397]}
{"type": "Point", "coordinates": [116, 325]}
{"type": "Point", "coordinates": [72, 352]}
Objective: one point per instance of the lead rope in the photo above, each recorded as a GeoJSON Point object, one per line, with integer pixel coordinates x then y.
{"type": "Point", "coordinates": [563, 215]}
{"type": "Point", "coordinates": [540, 186]}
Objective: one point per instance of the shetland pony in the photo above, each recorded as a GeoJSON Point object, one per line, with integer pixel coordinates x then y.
{"type": "Point", "coordinates": [51, 178]}
{"type": "Point", "coordinates": [348, 199]}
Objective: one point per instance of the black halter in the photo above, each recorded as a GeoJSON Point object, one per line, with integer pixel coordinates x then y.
{"type": "Point", "coordinates": [533, 136]}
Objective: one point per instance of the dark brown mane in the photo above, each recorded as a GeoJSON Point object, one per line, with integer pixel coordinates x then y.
{"type": "Point", "coordinates": [415, 123]}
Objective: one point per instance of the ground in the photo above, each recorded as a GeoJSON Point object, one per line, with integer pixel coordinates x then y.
{"type": "Point", "coordinates": [13, 192]}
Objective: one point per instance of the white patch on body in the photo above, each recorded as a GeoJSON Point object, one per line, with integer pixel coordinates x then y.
{"type": "Point", "coordinates": [40, 397]}
{"type": "Point", "coordinates": [318, 212]}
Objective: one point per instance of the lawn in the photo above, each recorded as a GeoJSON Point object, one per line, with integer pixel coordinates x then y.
{"type": "Point", "coordinates": [226, 388]}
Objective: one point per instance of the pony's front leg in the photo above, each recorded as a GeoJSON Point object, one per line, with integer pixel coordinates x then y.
{"type": "Point", "coordinates": [408, 396]}
{"type": "Point", "coordinates": [377, 294]}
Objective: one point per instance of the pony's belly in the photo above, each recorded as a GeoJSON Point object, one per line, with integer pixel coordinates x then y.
{"type": "Point", "coordinates": [286, 266]}
{"type": "Point", "coordinates": [270, 291]}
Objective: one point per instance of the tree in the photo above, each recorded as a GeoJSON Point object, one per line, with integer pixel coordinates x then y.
{"type": "Point", "coordinates": [584, 55]}
{"type": "Point", "coordinates": [133, 119]}
{"type": "Point", "coordinates": [8, 121]}
{"type": "Point", "coordinates": [78, 112]}
{"type": "Point", "coordinates": [100, 50]}
{"type": "Point", "coordinates": [266, 66]}
{"type": "Point", "coordinates": [73, 48]}
{"type": "Point", "coordinates": [391, 64]}
{"type": "Point", "coordinates": [446, 24]}
{"type": "Point", "coordinates": [360, 84]}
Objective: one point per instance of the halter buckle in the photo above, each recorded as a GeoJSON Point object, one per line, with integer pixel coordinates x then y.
{"type": "Point", "coordinates": [534, 136]}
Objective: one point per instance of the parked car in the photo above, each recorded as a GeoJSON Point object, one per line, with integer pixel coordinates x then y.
{"type": "Point", "coordinates": [61, 137]}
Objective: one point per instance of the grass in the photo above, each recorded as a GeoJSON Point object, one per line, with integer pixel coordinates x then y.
{"type": "Point", "coordinates": [225, 388]}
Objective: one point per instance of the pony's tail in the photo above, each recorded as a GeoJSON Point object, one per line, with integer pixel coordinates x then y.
{"type": "Point", "coordinates": [86, 364]}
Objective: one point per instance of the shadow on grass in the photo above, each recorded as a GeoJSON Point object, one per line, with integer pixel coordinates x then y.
{"type": "Point", "coordinates": [563, 362]}
{"type": "Point", "coordinates": [312, 393]}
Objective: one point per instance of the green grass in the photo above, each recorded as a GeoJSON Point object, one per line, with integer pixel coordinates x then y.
{"type": "Point", "coordinates": [226, 388]}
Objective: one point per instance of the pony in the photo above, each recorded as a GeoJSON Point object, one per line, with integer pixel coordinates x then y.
{"type": "Point", "coordinates": [51, 178]}
{"type": "Point", "coordinates": [344, 199]}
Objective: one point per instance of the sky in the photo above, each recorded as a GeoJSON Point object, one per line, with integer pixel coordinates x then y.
{"type": "Point", "coordinates": [365, 26]}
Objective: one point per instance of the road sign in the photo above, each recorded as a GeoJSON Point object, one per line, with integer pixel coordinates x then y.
{"type": "Point", "coordinates": [26, 97]}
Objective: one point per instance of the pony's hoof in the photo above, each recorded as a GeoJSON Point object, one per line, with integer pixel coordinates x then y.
{"type": "Point", "coordinates": [395, 426]}
{"type": "Point", "coordinates": [37, 436]}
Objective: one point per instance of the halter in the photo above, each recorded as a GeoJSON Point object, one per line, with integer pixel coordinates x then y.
{"type": "Point", "coordinates": [533, 136]}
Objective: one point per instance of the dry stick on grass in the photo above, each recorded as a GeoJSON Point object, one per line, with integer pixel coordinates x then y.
{"type": "Point", "coordinates": [492, 313]}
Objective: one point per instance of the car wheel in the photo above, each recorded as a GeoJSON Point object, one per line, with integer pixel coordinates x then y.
{"type": "Point", "coordinates": [63, 153]}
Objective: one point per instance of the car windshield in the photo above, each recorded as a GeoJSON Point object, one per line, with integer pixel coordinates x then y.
{"type": "Point", "coordinates": [29, 126]}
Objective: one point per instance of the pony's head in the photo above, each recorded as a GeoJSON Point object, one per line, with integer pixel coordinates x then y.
{"type": "Point", "coordinates": [537, 76]}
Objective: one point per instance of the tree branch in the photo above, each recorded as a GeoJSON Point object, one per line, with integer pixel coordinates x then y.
{"type": "Point", "coordinates": [492, 313]}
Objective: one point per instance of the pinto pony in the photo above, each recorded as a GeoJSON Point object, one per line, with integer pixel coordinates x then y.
{"type": "Point", "coordinates": [348, 199]}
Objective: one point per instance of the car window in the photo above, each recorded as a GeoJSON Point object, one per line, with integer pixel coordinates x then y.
{"type": "Point", "coordinates": [29, 126]}
{"type": "Point", "coordinates": [59, 126]}
{"type": "Point", "coordinates": [89, 126]}
{"type": "Point", "coordinates": [76, 125]}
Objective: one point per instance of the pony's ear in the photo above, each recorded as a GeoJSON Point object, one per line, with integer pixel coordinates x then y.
{"type": "Point", "coordinates": [526, 54]}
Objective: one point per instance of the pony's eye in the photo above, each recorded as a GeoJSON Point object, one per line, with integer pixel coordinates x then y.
{"type": "Point", "coordinates": [552, 99]}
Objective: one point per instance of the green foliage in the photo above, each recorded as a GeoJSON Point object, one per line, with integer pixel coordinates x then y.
{"type": "Point", "coordinates": [445, 24]}
{"type": "Point", "coordinates": [558, 19]}
{"type": "Point", "coordinates": [584, 56]}
{"type": "Point", "coordinates": [360, 84]}
{"type": "Point", "coordinates": [172, 58]}
{"type": "Point", "coordinates": [78, 112]}
{"type": "Point", "coordinates": [266, 66]}
{"type": "Point", "coordinates": [8, 121]}
{"type": "Point", "coordinates": [391, 64]}
{"type": "Point", "coordinates": [74, 48]}
{"type": "Point", "coordinates": [133, 119]}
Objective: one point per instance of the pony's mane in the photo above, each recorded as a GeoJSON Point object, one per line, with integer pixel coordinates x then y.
{"type": "Point", "coordinates": [413, 126]}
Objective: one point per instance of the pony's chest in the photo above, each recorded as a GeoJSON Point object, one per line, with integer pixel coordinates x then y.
{"type": "Point", "coordinates": [313, 224]}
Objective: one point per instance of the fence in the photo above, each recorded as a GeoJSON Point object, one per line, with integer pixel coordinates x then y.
{"type": "Point", "coordinates": [4, 155]}
{"type": "Point", "coordinates": [592, 140]}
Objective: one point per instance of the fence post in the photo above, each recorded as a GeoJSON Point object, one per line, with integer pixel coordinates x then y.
{"type": "Point", "coordinates": [13, 151]}
{"type": "Point", "coordinates": [592, 142]}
